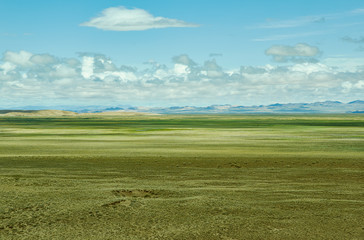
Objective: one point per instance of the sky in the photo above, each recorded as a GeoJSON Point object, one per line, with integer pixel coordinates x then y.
{"type": "Point", "coordinates": [169, 53]}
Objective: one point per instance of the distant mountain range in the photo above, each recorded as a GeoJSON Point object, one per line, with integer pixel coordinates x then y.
{"type": "Point", "coordinates": [317, 107]}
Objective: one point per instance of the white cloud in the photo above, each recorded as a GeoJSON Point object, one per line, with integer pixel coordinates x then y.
{"type": "Point", "coordinates": [345, 64]}
{"type": "Point", "coordinates": [43, 59]}
{"type": "Point", "coordinates": [347, 86]}
{"type": "Point", "coordinates": [181, 69]}
{"type": "Point", "coordinates": [184, 59]}
{"type": "Point", "coordinates": [7, 67]}
{"type": "Point", "coordinates": [301, 52]}
{"type": "Point", "coordinates": [87, 66]}
{"type": "Point", "coordinates": [123, 19]}
{"type": "Point", "coordinates": [301, 49]}
{"type": "Point", "coordinates": [212, 69]}
{"type": "Point", "coordinates": [309, 68]}
{"type": "Point", "coordinates": [359, 84]}
{"type": "Point", "coordinates": [63, 71]}
{"type": "Point", "coordinates": [21, 58]}
{"type": "Point", "coordinates": [96, 80]}
{"type": "Point", "coordinates": [122, 76]}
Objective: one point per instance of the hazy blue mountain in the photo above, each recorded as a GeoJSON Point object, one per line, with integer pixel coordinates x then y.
{"type": "Point", "coordinates": [317, 107]}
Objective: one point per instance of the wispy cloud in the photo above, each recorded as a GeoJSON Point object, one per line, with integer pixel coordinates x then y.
{"type": "Point", "coordinates": [215, 55]}
{"type": "Point", "coordinates": [288, 36]}
{"type": "Point", "coordinates": [305, 20]}
{"type": "Point", "coordinates": [353, 40]}
{"type": "Point", "coordinates": [291, 23]}
{"type": "Point", "coordinates": [359, 41]}
{"type": "Point", "coordinates": [123, 19]}
{"type": "Point", "coordinates": [358, 11]}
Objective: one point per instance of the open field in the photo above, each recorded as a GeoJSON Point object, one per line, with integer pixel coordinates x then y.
{"type": "Point", "coordinates": [182, 177]}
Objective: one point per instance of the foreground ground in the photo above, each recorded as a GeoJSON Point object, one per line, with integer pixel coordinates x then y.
{"type": "Point", "coordinates": [182, 177]}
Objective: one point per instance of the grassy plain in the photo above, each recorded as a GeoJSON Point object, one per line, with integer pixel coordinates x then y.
{"type": "Point", "coordinates": [182, 177]}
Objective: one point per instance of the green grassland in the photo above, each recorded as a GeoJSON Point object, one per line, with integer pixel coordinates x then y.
{"type": "Point", "coordinates": [182, 177]}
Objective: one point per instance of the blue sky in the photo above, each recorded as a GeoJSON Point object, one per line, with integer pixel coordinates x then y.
{"type": "Point", "coordinates": [162, 53]}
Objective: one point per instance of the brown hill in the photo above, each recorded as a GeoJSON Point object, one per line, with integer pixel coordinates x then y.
{"type": "Point", "coordinates": [118, 113]}
{"type": "Point", "coordinates": [59, 113]}
{"type": "Point", "coordinates": [42, 113]}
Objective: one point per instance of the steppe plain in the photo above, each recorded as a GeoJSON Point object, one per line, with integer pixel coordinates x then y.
{"type": "Point", "coordinates": [182, 177]}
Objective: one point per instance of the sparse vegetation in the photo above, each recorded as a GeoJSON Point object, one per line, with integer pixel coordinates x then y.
{"type": "Point", "coordinates": [182, 177]}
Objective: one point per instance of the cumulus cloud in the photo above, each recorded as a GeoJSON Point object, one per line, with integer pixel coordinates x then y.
{"type": "Point", "coordinates": [21, 58]}
{"type": "Point", "coordinates": [6, 67]}
{"type": "Point", "coordinates": [27, 78]}
{"type": "Point", "coordinates": [345, 64]}
{"type": "Point", "coordinates": [123, 19]}
{"type": "Point", "coordinates": [184, 59]}
{"type": "Point", "coordinates": [309, 68]}
{"type": "Point", "coordinates": [24, 59]}
{"type": "Point", "coordinates": [43, 59]}
{"type": "Point", "coordinates": [253, 70]}
{"type": "Point", "coordinates": [301, 52]}
{"type": "Point", "coordinates": [87, 67]}
{"type": "Point", "coordinates": [212, 70]}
